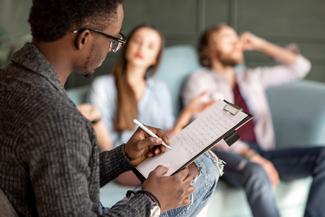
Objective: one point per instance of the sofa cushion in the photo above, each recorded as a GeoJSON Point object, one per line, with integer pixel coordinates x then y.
{"type": "Point", "coordinates": [231, 202]}
{"type": "Point", "coordinates": [298, 113]}
{"type": "Point", "coordinates": [176, 64]}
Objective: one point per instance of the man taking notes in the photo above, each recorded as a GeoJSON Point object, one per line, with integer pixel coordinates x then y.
{"type": "Point", "coordinates": [49, 160]}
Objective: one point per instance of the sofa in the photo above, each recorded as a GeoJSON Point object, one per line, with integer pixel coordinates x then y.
{"type": "Point", "coordinates": [298, 113]}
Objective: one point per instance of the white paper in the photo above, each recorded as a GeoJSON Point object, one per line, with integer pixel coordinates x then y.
{"type": "Point", "coordinates": [209, 126]}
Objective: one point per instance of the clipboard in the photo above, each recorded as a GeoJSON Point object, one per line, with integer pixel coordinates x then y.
{"type": "Point", "coordinates": [230, 136]}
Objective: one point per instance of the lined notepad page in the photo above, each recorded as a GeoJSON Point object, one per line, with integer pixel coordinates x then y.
{"type": "Point", "coordinates": [202, 132]}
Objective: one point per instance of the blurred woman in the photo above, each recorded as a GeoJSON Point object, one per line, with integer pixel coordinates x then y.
{"type": "Point", "coordinates": [132, 92]}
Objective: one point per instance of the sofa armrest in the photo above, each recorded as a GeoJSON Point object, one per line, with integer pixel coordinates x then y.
{"type": "Point", "coordinates": [298, 113]}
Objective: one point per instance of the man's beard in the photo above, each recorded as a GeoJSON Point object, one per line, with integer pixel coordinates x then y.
{"type": "Point", "coordinates": [89, 61]}
{"type": "Point", "coordinates": [227, 61]}
{"type": "Point", "coordinates": [87, 75]}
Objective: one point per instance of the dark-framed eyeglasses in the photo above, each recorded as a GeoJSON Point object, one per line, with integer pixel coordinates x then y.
{"type": "Point", "coordinates": [115, 42]}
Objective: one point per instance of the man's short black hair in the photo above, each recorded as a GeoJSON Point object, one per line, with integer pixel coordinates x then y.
{"type": "Point", "coordinates": [52, 19]}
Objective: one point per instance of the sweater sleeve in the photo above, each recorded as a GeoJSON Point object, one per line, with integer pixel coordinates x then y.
{"type": "Point", "coordinates": [112, 164]}
{"type": "Point", "coordinates": [63, 166]}
{"type": "Point", "coordinates": [59, 155]}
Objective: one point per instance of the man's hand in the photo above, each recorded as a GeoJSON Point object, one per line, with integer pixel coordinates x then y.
{"type": "Point", "coordinates": [196, 105]}
{"type": "Point", "coordinates": [142, 146]}
{"type": "Point", "coordinates": [171, 191]}
{"type": "Point", "coordinates": [251, 42]}
{"type": "Point", "coordinates": [268, 167]}
{"type": "Point", "coordinates": [200, 103]}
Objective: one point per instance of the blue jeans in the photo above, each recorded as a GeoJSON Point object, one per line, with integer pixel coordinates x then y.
{"type": "Point", "coordinates": [204, 187]}
{"type": "Point", "coordinates": [291, 164]}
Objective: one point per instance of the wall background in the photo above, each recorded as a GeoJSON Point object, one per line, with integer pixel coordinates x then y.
{"type": "Point", "coordinates": [181, 21]}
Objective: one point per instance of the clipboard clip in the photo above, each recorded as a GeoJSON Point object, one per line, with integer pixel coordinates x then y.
{"type": "Point", "coordinates": [231, 137]}
{"type": "Point", "coordinates": [231, 109]}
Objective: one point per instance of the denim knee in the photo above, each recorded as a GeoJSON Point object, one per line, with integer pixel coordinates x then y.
{"type": "Point", "coordinates": [208, 169]}
{"type": "Point", "coordinates": [256, 179]}
{"type": "Point", "coordinates": [204, 186]}
{"type": "Point", "coordinates": [320, 163]}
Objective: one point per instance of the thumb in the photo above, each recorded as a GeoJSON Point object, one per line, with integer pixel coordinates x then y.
{"type": "Point", "coordinates": [159, 171]}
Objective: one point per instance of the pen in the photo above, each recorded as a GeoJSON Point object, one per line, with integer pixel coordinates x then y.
{"type": "Point", "coordinates": [144, 128]}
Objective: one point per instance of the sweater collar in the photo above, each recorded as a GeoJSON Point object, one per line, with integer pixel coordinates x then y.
{"type": "Point", "coordinates": [31, 58]}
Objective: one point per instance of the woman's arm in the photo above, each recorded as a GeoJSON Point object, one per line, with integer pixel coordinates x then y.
{"type": "Point", "coordinates": [93, 115]}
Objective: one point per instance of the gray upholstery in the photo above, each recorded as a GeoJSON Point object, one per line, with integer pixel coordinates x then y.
{"type": "Point", "coordinates": [6, 209]}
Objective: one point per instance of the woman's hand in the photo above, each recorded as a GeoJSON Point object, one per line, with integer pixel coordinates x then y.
{"type": "Point", "coordinates": [90, 112]}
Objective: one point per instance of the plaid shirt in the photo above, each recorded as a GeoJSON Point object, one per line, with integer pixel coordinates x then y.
{"type": "Point", "coordinates": [49, 159]}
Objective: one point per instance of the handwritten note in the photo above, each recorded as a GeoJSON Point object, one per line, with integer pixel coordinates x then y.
{"type": "Point", "coordinates": [209, 127]}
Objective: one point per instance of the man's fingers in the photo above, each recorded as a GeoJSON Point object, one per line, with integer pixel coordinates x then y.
{"type": "Point", "coordinates": [273, 174]}
{"type": "Point", "coordinates": [270, 175]}
{"type": "Point", "coordinates": [141, 134]}
{"type": "Point", "coordinates": [163, 135]}
{"type": "Point", "coordinates": [187, 196]}
{"type": "Point", "coordinates": [153, 145]}
{"type": "Point", "coordinates": [189, 191]}
{"type": "Point", "coordinates": [188, 182]}
{"type": "Point", "coordinates": [186, 202]}
{"type": "Point", "coordinates": [159, 171]}
{"type": "Point", "coordinates": [183, 174]}
{"type": "Point", "coordinates": [149, 142]}
{"type": "Point", "coordinates": [156, 150]}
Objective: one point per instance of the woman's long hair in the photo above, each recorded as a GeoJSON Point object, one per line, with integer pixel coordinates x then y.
{"type": "Point", "coordinates": [127, 105]}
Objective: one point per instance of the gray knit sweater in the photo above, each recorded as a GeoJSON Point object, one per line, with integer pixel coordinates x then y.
{"type": "Point", "coordinates": [49, 160]}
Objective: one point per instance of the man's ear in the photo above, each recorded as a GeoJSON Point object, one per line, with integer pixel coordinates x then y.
{"type": "Point", "coordinates": [82, 39]}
